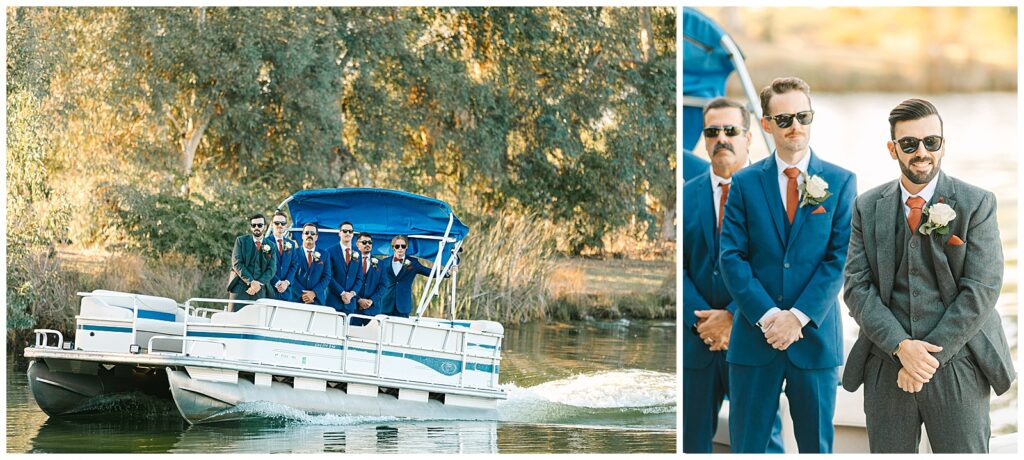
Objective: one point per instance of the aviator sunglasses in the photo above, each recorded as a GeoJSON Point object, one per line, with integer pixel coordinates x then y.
{"type": "Point", "coordinates": [785, 120]}
{"type": "Point", "coordinates": [730, 131]}
{"type": "Point", "coordinates": [909, 144]}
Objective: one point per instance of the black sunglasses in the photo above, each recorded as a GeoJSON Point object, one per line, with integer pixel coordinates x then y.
{"type": "Point", "coordinates": [785, 120]}
{"type": "Point", "coordinates": [256, 225]}
{"type": "Point", "coordinates": [366, 242]}
{"type": "Point", "coordinates": [730, 131]}
{"type": "Point", "coordinates": [909, 144]}
{"type": "Point", "coordinates": [279, 223]}
{"type": "Point", "coordinates": [346, 231]}
{"type": "Point", "coordinates": [399, 246]}
{"type": "Point", "coordinates": [309, 233]}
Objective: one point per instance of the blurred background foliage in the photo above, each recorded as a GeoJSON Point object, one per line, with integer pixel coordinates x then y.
{"type": "Point", "coordinates": [152, 133]}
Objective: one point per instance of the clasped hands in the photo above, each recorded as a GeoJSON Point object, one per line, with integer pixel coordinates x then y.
{"type": "Point", "coordinates": [715, 328]}
{"type": "Point", "coordinates": [918, 364]}
{"type": "Point", "coordinates": [782, 330]}
{"type": "Point", "coordinates": [254, 287]}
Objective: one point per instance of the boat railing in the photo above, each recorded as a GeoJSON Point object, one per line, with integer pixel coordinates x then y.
{"type": "Point", "coordinates": [42, 338]}
{"type": "Point", "coordinates": [185, 341]}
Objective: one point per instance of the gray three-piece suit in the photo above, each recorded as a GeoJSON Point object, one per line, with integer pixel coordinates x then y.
{"type": "Point", "coordinates": [900, 286]}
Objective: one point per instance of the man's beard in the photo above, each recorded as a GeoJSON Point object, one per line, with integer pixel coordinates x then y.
{"type": "Point", "coordinates": [917, 178]}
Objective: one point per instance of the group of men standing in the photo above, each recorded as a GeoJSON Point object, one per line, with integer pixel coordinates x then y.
{"type": "Point", "coordinates": [346, 278]}
{"type": "Point", "coordinates": [767, 249]}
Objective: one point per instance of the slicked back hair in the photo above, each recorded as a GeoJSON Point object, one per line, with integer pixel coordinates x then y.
{"type": "Point", "coordinates": [721, 102]}
{"type": "Point", "coordinates": [911, 109]}
{"type": "Point", "coordinates": [783, 85]}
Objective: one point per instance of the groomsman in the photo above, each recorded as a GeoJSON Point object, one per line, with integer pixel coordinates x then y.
{"type": "Point", "coordinates": [314, 271]}
{"type": "Point", "coordinates": [368, 300]}
{"type": "Point", "coordinates": [783, 245]}
{"type": "Point", "coordinates": [345, 274]}
{"type": "Point", "coordinates": [708, 310]}
{"type": "Point", "coordinates": [253, 263]}
{"type": "Point", "coordinates": [924, 271]}
{"type": "Point", "coordinates": [287, 262]}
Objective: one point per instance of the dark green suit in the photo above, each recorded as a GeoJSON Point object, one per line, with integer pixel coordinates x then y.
{"type": "Point", "coordinates": [249, 264]}
{"type": "Point", "coordinates": [927, 287]}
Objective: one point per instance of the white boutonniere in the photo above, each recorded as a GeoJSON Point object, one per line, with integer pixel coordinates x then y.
{"type": "Point", "coordinates": [939, 216]}
{"type": "Point", "coordinates": [288, 245]}
{"type": "Point", "coordinates": [406, 262]}
{"type": "Point", "coordinates": [373, 260]}
{"type": "Point", "coordinates": [265, 248]}
{"type": "Point", "coordinates": [316, 256]}
{"type": "Point", "coordinates": [813, 191]}
{"type": "Point", "coordinates": [355, 255]}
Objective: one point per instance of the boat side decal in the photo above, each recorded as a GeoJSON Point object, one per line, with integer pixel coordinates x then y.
{"type": "Point", "coordinates": [89, 327]}
{"type": "Point", "coordinates": [157, 315]}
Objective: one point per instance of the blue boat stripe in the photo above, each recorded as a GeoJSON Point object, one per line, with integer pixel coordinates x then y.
{"type": "Point", "coordinates": [90, 327]}
{"type": "Point", "coordinates": [444, 366]}
{"type": "Point", "coordinates": [491, 347]}
{"type": "Point", "coordinates": [157, 315]}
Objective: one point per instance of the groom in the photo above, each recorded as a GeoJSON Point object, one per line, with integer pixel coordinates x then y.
{"type": "Point", "coordinates": [783, 246]}
{"type": "Point", "coordinates": [924, 271]}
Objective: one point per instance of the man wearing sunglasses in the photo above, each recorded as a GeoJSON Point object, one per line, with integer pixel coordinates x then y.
{"type": "Point", "coordinates": [314, 272]}
{"type": "Point", "coordinates": [368, 299]}
{"type": "Point", "coordinates": [253, 264]}
{"type": "Point", "coordinates": [783, 246]}
{"type": "Point", "coordinates": [345, 274]}
{"type": "Point", "coordinates": [399, 274]}
{"type": "Point", "coordinates": [709, 310]}
{"type": "Point", "coordinates": [285, 248]}
{"type": "Point", "coordinates": [924, 271]}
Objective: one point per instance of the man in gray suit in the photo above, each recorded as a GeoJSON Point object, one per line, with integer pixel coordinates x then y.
{"type": "Point", "coordinates": [923, 273]}
{"type": "Point", "coordinates": [253, 263]}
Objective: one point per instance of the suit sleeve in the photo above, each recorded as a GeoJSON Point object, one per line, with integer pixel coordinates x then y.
{"type": "Point", "coordinates": [420, 268]}
{"type": "Point", "coordinates": [692, 300]}
{"type": "Point", "coordinates": [321, 287]}
{"type": "Point", "coordinates": [238, 264]}
{"type": "Point", "coordinates": [979, 284]}
{"type": "Point", "coordinates": [269, 270]}
{"type": "Point", "coordinates": [747, 291]}
{"type": "Point", "coordinates": [358, 284]}
{"type": "Point", "coordinates": [335, 287]}
{"type": "Point", "coordinates": [861, 294]}
{"type": "Point", "coordinates": [818, 297]}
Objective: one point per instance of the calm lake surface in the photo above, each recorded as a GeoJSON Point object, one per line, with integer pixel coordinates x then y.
{"type": "Point", "coordinates": [980, 133]}
{"type": "Point", "coordinates": [583, 387]}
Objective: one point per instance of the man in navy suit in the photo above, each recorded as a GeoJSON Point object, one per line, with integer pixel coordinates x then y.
{"type": "Point", "coordinates": [314, 271]}
{"type": "Point", "coordinates": [783, 246]}
{"type": "Point", "coordinates": [287, 264]}
{"type": "Point", "coordinates": [708, 309]}
{"type": "Point", "coordinates": [399, 274]}
{"type": "Point", "coordinates": [345, 276]}
{"type": "Point", "coordinates": [368, 299]}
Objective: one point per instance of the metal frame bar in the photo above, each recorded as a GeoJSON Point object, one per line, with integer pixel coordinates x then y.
{"type": "Point", "coordinates": [747, 83]}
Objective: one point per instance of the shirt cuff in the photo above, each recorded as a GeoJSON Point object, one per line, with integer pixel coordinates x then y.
{"type": "Point", "coordinates": [768, 314]}
{"type": "Point", "coordinates": [804, 319]}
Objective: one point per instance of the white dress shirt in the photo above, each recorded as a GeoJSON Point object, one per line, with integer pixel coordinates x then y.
{"type": "Point", "coordinates": [716, 189]}
{"type": "Point", "coordinates": [396, 266]}
{"type": "Point", "coordinates": [926, 193]}
{"type": "Point", "coordinates": [783, 185]}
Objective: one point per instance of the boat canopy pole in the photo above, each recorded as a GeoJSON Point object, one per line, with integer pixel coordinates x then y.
{"type": "Point", "coordinates": [435, 269]}
{"type": "Point", "coordinates": [748, 85]}
{"type": "Point", "coordinates": [447, 267]}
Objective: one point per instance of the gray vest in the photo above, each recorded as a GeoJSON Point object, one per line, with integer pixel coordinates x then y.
{"type": "Point", "coordinates": [915, 301]}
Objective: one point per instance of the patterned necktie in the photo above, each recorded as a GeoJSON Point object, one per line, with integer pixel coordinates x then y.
{"type": "Point", "coordinates": [721, 204]}
{"type": "Point", "coordinates": [791, 193]}
{"type": "Point", "coordinates": [914, 218]}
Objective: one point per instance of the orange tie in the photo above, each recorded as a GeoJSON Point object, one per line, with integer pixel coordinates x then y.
{"type": "Point", "coordinates": [348, 258]}
{"type": "Point", "coordinates": [914, 218]}
{"type": "Point", "coordinates": [791, 194]}
{"type": "Point", "coordinates": [309, 259]}
{"type": "Point", "coordinates": [721, 204]}
{"type": "Point", "coordinates": [280, 246]}
{"type": "Point", "coordinates": [364, 265]}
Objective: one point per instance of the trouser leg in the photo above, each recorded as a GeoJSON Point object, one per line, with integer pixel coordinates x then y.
{"type": "Point", "coordinates": [892, 415]}
{"type": "Point", "coordinates": [703, 391]}
{"type": "Point", "coordinates": [754, 404]}
{"type": "Point", "coordinates": [955, 408]}
{"type": "Point", "coordinates": [812, 403]}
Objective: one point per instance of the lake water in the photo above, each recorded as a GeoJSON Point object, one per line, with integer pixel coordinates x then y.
{"type": "Point", "coordinates": [980, 133]}
{"type": "Point", "coordinates": [583, 387]}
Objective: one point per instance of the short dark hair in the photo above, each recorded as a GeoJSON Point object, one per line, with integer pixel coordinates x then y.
{"type": "Point", "coordinates": [364, 234]}
{"type": "Point", "coordinates": [310, 225]}
{"type": "Point", "coordinates": [783, 85]}
{"type": "Point", "coordinates": [721, 102]}
{"type": "Point", "coordinates": [280, 213]}
{"type": "Point", "coordinates": [911, 109]}
{"type": "Point", "coordinates": [257, 216]}
{"type": "Point", "coordinates": [344, 224]}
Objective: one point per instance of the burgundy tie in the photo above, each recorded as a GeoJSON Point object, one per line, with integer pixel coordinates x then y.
{"type": "Point", "coordinates": [914, 218]}
{"type": "Point", "coordinates": [280, 246]}
{"type": "Point", "coordinates": [348, 258]}
{"type": "Point", "coordinates": [791, 193]}
{"type": "Point", "coordinates": [364, 265]}
{"type": "Point", "coordinates": [721, 204]}
{"type": "Point", "coordinates": [309, 259]}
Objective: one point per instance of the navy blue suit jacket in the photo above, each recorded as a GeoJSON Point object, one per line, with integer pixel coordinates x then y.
{"type": "Point", "coordinates": [373, 286]}
{"type": "Point", "coordinates": [344, 278]}
{"type": "Point", "coordinates": [287, 265]}
{"type": "Point", "coordinates": [397, 297]}
{"type": "Point", "coordinates": [766, 266]}
{"type": "Point", "coordinates": [693, 165]}
{"type": "Point", "coordinates": [314, 277]}
{"type": "Point", "coordinates": [703, 288]}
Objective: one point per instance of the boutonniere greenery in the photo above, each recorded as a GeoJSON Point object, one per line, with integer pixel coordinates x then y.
{"type": "Point", "coordinates": [939, 217]}
{"type": "Point", "coordinates": [265, 248]}
{"type": "Point", "coordinates": [813, 191]}
{"type": "Point", "coordinates": [316, 256]}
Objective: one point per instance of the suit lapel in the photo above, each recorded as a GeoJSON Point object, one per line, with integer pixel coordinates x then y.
{"type": "Point", "coordinates": [706, 215]}
{"type": "Point", "coordinates": [946, 191]}
{"type": "Point", "coordinates": [885, 237]}
{"type": "Point", "coordinates": [770, 183]}
{"type": "Point", "coordinates": [813, 168]}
